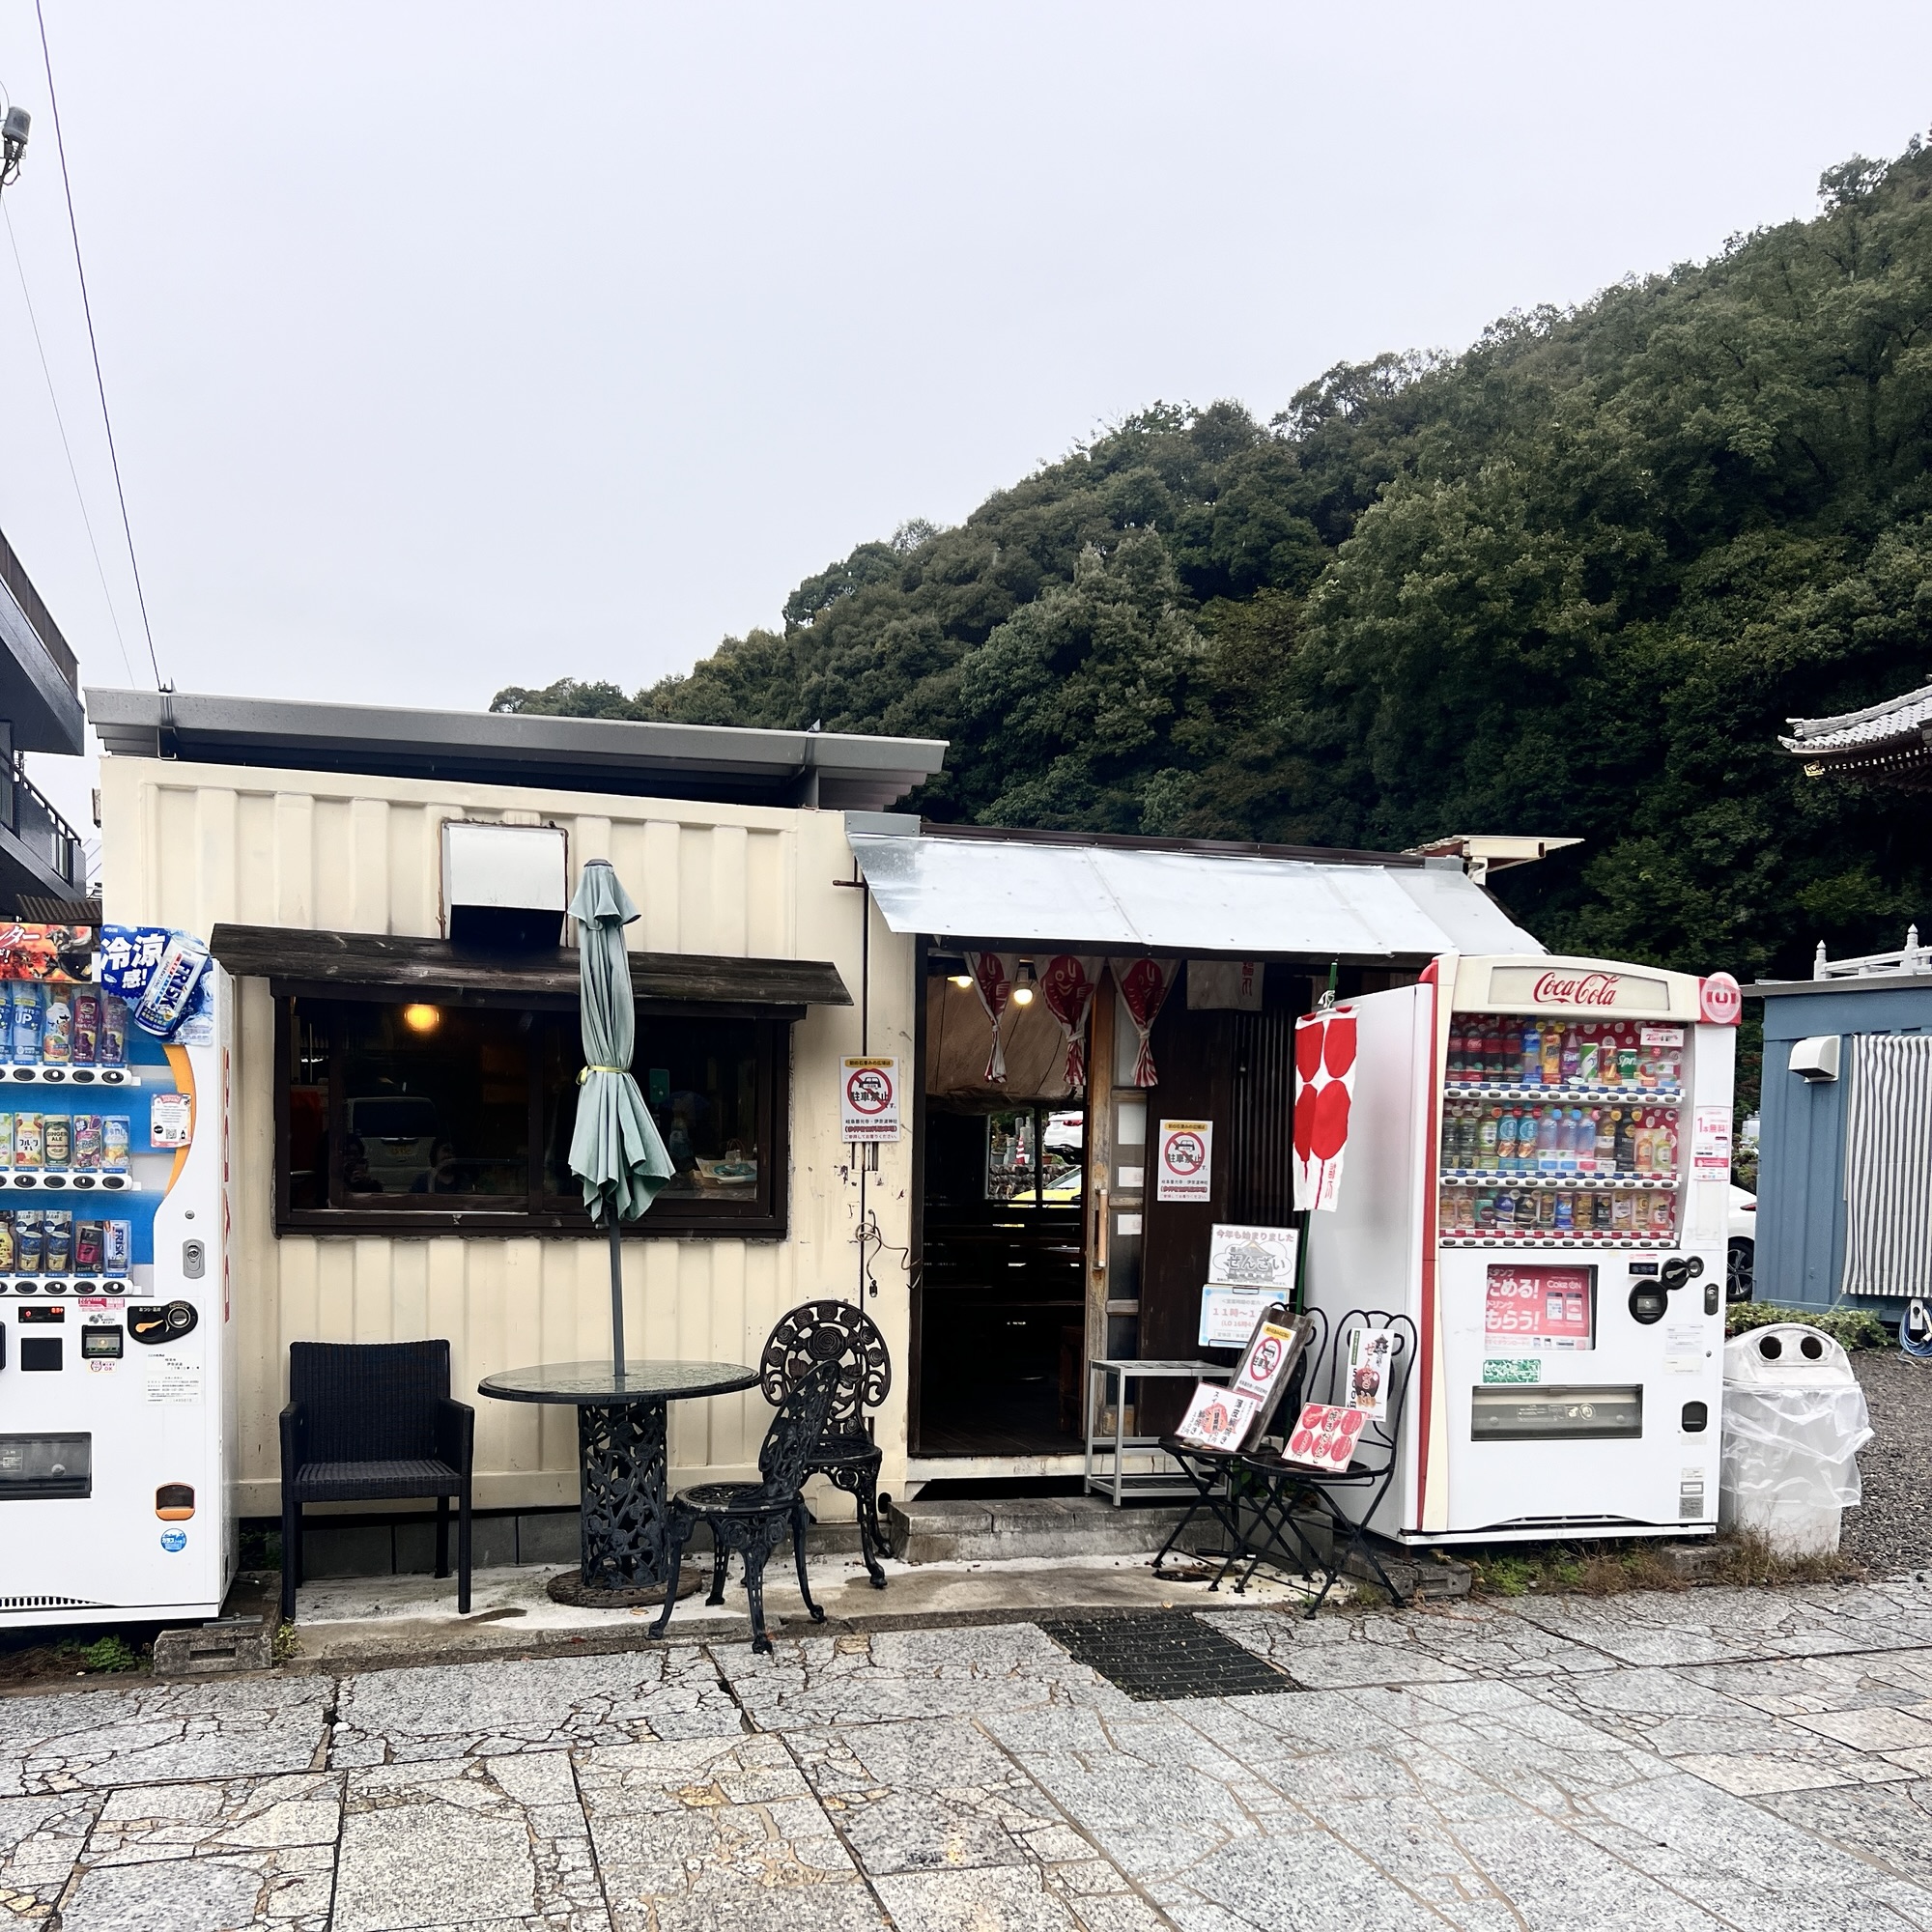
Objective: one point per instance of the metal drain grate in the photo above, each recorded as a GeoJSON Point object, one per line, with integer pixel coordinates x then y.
{"type": "Point", "coordinates": [1159, 1655]}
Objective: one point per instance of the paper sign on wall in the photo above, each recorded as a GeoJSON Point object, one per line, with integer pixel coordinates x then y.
{"type": "Point", "coordinates": [1251, 1257]}
{"type": "Point", "coordinates": [1184, 1162]}
{"type": "Point", "coordinates": [175, 1379]}
{"type": "Point", "coordinates": [1228, 1315]}
{"type": "Point", "coordinates": [869, 1101]}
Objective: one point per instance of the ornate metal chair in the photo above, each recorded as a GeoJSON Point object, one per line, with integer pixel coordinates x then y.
{"type": "Point", "coordinates": [815, 1333]}
{"type": "Point", "coordinates": [372, 1422]}
{"type": "Point", "coordinates": [751, 1518]}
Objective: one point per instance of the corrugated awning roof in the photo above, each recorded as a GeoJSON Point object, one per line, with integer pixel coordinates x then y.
{"type": "Point", "coordinates": [838, 770]}
{"type": "Point", "coordinates": [1117, 898]}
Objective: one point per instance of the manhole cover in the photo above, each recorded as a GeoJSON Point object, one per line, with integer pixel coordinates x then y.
{"type": "Point", "coordinates": [1161, 1655]}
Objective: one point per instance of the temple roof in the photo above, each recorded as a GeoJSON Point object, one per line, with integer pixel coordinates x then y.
{"type": "Point", "coordinates": [1885, 744]}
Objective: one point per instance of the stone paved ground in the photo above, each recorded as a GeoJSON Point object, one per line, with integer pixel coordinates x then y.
{"type": "Point", "coordinates": [1754, 1760]}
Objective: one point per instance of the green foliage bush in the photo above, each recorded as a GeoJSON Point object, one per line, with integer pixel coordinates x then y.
{"type": "Point", "coordinates": [1849, 1327]}
{"type": "Point", "coordinates": [1573, 581]}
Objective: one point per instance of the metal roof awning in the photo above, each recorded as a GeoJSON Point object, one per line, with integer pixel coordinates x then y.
{"type": "Point", "coordinates": [1122, 899]}
{"type": "Point", "coordinates": [343, 963]}
{"type": "Point", "coordinates": [838, 770]}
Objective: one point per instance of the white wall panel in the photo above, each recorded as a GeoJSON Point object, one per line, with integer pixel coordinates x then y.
{"type": "Point", "coordinates": [191, 846]}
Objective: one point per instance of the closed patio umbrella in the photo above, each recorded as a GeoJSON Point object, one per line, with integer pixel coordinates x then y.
{"type": "Point", "coordinates": [615, 1150]}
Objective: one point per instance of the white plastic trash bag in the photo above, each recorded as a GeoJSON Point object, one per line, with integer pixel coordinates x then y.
{"type": "Point", "coordinates": [1795, 1420]}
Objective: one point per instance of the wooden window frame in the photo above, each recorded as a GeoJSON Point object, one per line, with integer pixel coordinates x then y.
{"type": "Point", "coordinates": [671, 1217]}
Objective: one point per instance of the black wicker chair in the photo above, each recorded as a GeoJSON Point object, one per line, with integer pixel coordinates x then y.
{"type": "Point", "coordinates": [753, 1518]}
{"type": "Point", "coordinates": [1277, 1488]}
{"type": "Point", "coordinates": [374, 1422]}
{"type": "Point", "coordinates": [817, 1332]}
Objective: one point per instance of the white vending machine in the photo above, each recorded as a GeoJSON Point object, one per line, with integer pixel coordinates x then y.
{"type": "Point", "coordinates": [116, 1354]}
{"type": "Point", "coordinates": [1536, 1172]}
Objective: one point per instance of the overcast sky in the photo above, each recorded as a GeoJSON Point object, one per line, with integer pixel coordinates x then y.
{"type": "Point", "coordinates": [451, 347]}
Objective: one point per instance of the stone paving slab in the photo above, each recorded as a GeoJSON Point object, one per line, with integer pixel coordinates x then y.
{"type": "Point", "coordinates": [497, 1705]}
{"type": "Point", "coordinates": [1759, 1761]}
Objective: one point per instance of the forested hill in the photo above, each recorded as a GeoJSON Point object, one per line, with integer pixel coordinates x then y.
{"type": "Point", "coordinates": [1570, 581]}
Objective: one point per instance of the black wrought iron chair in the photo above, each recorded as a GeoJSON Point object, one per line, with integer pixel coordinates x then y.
{"type": "Point", "coordinates": [374, 1422]}
{"type": "Point", "coordinates": [814, 1333]}
{"type": "Point", "coordinates": [753, 1518]}
{"type": "Point", "coordinates": [1274, 1488]}
{"type": "Point", "coordinates": [1216, 1473]}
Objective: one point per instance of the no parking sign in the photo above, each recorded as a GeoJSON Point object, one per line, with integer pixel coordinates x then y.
{"type": "Point", "coordinates": [1185, 1163]}
{"type": "Point", "coordinates": [869, 1101]}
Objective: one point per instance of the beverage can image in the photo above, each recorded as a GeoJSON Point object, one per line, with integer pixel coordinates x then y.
{"type": "Point", "coordinates": [27, 1243]}
{"type": "Point", "coordinates": [23, 1023]}
{"type": "Point", "coordinates": [86, 1155]}
{"type": "Point", "coordinates": [117, 1246]}
{"type": "Point", "coordinates": [57, 1140]}
{"type": "Point", "coordinates": [87, 1247]}
{"type": "Point", "coordinates": [171, 991]}
{"type": "Point", "coordinates": [5, 1141]}
{"type": "Point", "coordinates": [57, 1232]}
{"type": "Point", "coordinates": [27, 1142]}
{"type": "Point", "coordinates": [6, 1241]}
{"type": "Point", "coordinates": [113, 1030]}
{"type": "Point", "coordinates": [86, 1026]}
{"type": "Point", "coordinates": [114, 1142]}
{"type": "Point", "coordinates": [57, 1028]}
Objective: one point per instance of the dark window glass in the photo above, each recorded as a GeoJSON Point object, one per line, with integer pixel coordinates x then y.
{"type": "Point", "coordinates": [424, 1109]}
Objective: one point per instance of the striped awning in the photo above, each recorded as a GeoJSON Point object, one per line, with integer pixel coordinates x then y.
{"type": "Point", "coordinates": [1888, 1166]}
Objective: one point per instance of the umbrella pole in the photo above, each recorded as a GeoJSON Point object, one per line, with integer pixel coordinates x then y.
{"type": "Point", "coordinates": [616, 1291]}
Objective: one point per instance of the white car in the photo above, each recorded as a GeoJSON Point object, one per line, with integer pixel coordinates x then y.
{"type": "Point", "coordinates": [1740, 1247]}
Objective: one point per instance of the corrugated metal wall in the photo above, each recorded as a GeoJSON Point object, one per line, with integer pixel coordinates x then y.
{"type": "Point", "coordinates": [190, 845]}
{"type": "Point", "coordinates": [1801, 1189]}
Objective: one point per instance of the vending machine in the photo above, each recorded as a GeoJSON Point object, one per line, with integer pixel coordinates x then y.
{"type": "Point", "coordinates": [1536, 1172]}
{"type": "Point", "coordinates": [116, 1358]}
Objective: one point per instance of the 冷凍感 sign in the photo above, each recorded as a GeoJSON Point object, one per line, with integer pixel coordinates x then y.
{"type": "Point", "coordinates": [869, 1098]}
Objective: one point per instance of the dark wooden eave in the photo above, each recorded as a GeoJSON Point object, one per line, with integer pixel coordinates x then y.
{"type": "Point", "coordinates": [344, 962]}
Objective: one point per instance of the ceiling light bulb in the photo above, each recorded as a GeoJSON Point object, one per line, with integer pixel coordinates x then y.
{"type": "Point", "coordinates": [422, 1018]}
{"type": "Point", "coordinates": [960, 978]}
{"type": "Point", "coordinates": [1022, 996]}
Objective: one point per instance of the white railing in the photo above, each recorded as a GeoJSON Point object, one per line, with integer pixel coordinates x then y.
{"type": "Point", "coordinates": [1911, 957]}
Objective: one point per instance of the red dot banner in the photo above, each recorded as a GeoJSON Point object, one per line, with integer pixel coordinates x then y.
{"type": "Point", "coordinates": [1324, 1086]}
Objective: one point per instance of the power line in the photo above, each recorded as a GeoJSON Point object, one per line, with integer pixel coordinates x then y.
{"type": "Point", "coordinates": [99, 383]}
{"type": "Point", "coordinates": [79, 496]}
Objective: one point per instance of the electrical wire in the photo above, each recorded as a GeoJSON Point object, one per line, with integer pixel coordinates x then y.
{"type": "Point", "coordinates": [99, 381]}
{"type": "Point", "coordinates": [79, 497]}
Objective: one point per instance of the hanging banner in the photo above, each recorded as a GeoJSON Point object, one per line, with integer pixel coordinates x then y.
{"type": "Point", "coordinates": [1066, 987]}
{"type": "Point", "coordinates": [1184, 1162]}
{"type": "Point", "coordinates": [1324, 1085]}
{"type": "Point", "coordinates": [993, 975]}
{"type": "Point", "coordinates": [1226, 984]}
{"type": "Point", "coordinates": [1145, 985]}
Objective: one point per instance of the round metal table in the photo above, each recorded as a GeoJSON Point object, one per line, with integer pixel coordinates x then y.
{"type": "Point", "coordinates": [620, 1448]}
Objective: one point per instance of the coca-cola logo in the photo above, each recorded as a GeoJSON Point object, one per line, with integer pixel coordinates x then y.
{"type": "Point", "coordinates": [1576, 989]}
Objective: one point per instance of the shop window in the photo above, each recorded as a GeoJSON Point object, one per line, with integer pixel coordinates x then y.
{"type": "Point", "coordinates": [415, 1115]}
{"type": "Point", "coordinates": [1035, 1156]}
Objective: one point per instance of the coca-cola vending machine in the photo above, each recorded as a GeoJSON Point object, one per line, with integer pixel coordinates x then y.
{"type": "Point", "coordinates": [1536, 1171]}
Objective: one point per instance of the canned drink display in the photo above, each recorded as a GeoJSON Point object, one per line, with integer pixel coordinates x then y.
{"type": "Point", "coordinates": [5, 1141]}
{"type": "Point", "coordinates": [57, 1140]}
{"type": "Point", "coordinates": [23, 1023]}
{"type": "Point", "coordinates": [27, 1142]}
{"type": "Point", "coordinates": [114, 1139]}
{"type": "Point", "coordinates": [57, 1232]}
{"type": "Point", "coordinates": [117, 1245]}
{"type": "Point", "coordinates": [113, 1049]}
{"type": "Point", "coordinates": [57, 1028]}
{"type": "Point", "coordinates": [86, 1026]}
{"type": "Point", "coordinates": [171, 991]}
{"type": "Point", "coordinates": [86, 1155]}
{"type": "Point", "coordinates": [27, 1243]}
{"type": "Point", "coordinates": [7, 1259]}
{"type": "Point", "coordinates": [87, 1247]}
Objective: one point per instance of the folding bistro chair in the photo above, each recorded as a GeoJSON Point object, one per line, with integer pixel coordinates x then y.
{"type": "Point", "coordinates": [1279, 1486]}
{"type": "Point", "coordinates": [1216, 1473]}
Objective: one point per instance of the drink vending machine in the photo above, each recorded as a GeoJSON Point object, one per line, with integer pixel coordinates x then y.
{"type": "Point", "coordinates": [116, 1359]}
{"type": "Point", "coordinates": [1536, 1171]}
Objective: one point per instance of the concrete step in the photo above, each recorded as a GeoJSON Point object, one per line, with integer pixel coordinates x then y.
{"type": "Point", "coordinates": [952, 1530]}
